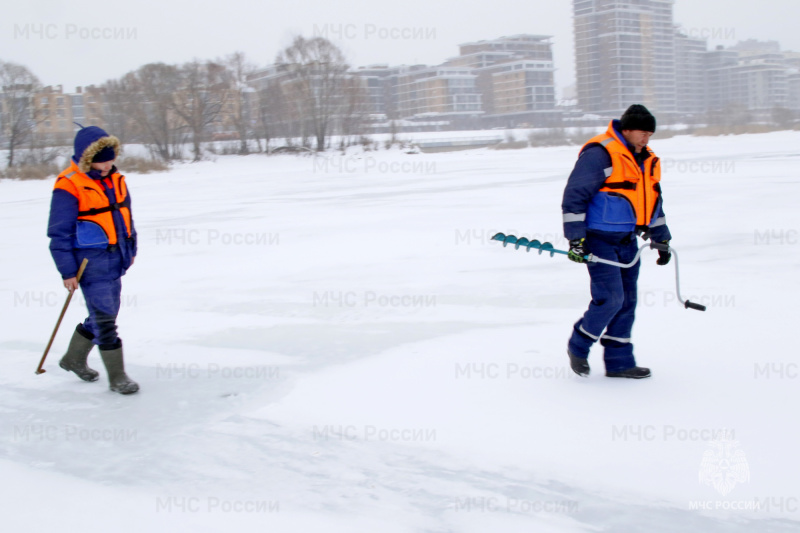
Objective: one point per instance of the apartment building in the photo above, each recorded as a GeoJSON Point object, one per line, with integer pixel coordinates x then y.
{"type": "Point", "coordinates": [53, 112]}
{"type": "Point", "coordinates": [751, 76]}
{"type": "Point", "coordinates": [424, 92]}
{"type": "Point", "coordinates": [503, 81]}
{"type": "Point", "coordinates": [514, 77]}
{"type": "Point", "coordinates": [380, 83]}
{"type": "Point", "coordinates": [793, 90]}
{"type": "Point", "coordinates": [690, 75]}
{"type": "Point", "coordinates": [625, 53]}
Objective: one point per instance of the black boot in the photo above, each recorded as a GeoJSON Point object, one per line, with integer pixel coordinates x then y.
{"type": "Point", "coordinates": [636, 372]}
{"type": "Point", "coordinates": [77, 353]}
{"type": "Point", "coordinates": [117, 379]}
{"type": "Point", "coordinates": [580, 365]}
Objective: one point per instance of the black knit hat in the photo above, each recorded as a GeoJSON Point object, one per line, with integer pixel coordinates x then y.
{"type": "Point", "coordinates": [637, 117]}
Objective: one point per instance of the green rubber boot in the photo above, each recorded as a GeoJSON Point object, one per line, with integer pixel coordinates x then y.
{"type": "Point", "coordinates": [77, 353]}
{"type": "Point", "coordinates": [118, 381]}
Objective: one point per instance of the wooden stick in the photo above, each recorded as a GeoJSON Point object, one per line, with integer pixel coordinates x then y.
{"type": "Point", "coordinates": [41, 370]}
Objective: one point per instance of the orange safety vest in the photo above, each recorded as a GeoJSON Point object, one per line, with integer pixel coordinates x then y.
{"type": "Point", "coordinates": [626, 178]}
{"type": "Point", "coordinates": [93, 204]}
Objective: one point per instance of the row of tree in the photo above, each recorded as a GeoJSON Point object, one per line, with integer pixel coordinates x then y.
{"type": "Point", "coordinates": [17, 113]}
{"type": "Point", "coordinates": [307, 96]}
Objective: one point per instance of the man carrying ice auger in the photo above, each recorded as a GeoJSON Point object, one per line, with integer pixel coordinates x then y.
{"type": "Point", "coordinates": [613, 194]}
{"type": "Point", "coordinates": [90, 218]}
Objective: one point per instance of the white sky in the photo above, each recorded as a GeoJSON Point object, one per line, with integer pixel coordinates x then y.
{"type": "Point", "coordinates": [174, 31]}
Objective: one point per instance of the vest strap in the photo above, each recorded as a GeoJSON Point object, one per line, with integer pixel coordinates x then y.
{"type": "Point", "coordinates": [627, 185]}
{"type": "Point", "coordinates": [113, 207]}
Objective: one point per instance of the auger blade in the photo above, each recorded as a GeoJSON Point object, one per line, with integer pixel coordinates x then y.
{"type": "Point", "coordinates": [528, 244]}
{"type": "Point", "coordinates": [547, 247]}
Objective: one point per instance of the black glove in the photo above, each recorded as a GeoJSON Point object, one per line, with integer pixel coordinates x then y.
{"type": "Point", "coordinates": [663, 257]}
{"type": "Point", "coordinates": [577, 251]}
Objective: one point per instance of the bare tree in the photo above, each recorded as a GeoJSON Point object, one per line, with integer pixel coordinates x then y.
{"type": "Point", "coordinates": [274, 113]}
{"type": "Point", "coordinates": [146, 95]}
{"type": "Point", "coordinates": [18, 115]}
{"type": "Point", "coordinates": [354, 109]}
{"type": "Point", "coordinates": [203, 92]}
{"type": "Point", "coordinates": [116, 118]}
{"type": "Point", "coordinates": [315, 69]}
{"type": "Point", "coordinates": [266, 128]}
{"type": "Point", "coordinates": [242, 98]}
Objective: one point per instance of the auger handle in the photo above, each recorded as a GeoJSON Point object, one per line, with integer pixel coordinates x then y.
{"type": "Point", "coordinates": [692, 305]}
{"type": "Point", "coordinates": [660, 247]}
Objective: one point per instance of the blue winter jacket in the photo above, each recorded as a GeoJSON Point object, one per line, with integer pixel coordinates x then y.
{"type": "Point", "coordinates": [107, 262]}
{"type": "Point", "coordinates": [586, 179]}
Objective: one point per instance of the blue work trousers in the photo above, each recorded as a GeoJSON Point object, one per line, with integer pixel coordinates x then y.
{"type": "Point", "coordinates": [610, 315]}
{"type": "Point", "coordinates": [101, 285]}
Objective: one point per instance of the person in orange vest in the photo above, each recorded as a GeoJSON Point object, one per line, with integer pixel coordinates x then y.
{"type": "Point", "coordinates": [90, 218]}
{"type": "Point", "coordinates": [613, 194]}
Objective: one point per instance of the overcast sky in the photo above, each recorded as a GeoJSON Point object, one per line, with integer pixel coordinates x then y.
{"type": "Point", "coordinates": [82, 42]}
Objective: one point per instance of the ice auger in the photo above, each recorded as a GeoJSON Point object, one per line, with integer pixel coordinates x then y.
{"type": "Point", "coordinates": [547, 247]}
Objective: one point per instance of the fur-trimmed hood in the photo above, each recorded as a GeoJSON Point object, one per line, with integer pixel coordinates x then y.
{"type": "Point", "coordinates": [91, 141]}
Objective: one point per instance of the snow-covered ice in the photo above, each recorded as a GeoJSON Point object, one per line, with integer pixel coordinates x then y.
{"type": "Point", "coordinates": [334, 344]}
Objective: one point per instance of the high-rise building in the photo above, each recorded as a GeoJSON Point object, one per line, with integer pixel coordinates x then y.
{"type": "Point", "coordinates": [690, 75]}
{"type": "Point", "coordinates": [625, 54]}
{"type": "Point", "coordinates": [719, 65]}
